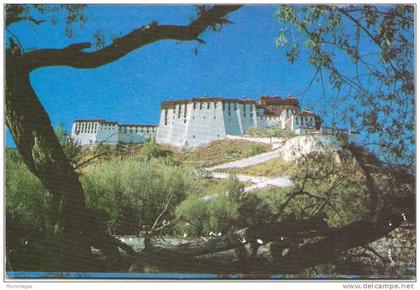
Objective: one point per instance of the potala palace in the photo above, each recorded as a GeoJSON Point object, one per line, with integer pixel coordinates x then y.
{"type": "Point", "coordinates": [199, 121]}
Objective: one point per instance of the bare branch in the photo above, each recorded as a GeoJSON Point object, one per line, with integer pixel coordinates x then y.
{"type": "Point", "coordinates": [74, 56]}
{"type": "Point", "coordinates": [163, 212]}
{"type": "Point", "coordinates": [86, 162]}
{"type": "Point", "coordinates": [14, 19]}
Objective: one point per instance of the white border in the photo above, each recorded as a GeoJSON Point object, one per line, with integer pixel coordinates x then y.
{"type": "Point", "coordinates": [134, 284]}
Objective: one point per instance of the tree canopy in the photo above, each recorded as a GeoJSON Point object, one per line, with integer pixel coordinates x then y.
{"type": "Point", "coordinates": [365, 53]}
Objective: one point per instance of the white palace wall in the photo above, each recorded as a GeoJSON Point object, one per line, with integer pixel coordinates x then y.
{"type": "Point", "coordinates": [192, 124]}
{"type": "Point", "coordinates": [87, 132]}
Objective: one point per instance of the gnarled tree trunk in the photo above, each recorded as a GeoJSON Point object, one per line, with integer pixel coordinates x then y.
{"type": "Point", "coordinates": [37, 144]}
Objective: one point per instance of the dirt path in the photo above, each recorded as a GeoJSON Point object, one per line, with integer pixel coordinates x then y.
{"type": "Point", "coordinates": [259, 181]}
{"type": "Point", "coordinates": [253, 160]}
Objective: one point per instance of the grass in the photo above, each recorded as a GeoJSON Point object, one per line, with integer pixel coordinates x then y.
{"type": "Point", "coordinates": [272, 168]}
{"type": "Point", "coordinates": [270, 132]}
{"type": "Point", "coordinates": [213, 185]}
{"type": "Point", "coordinates": [210, 186]}
{"type": "Point", "coordinates": [220, 152]}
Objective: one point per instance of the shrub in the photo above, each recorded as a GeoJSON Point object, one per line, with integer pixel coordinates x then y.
{"type": "Point", "coordinates": [229, 210]}
{"type": "Point", "coordinates": [270, 132]}
{"type": "Point", "coordinates": [232, 187]}
{"type": "Point", "coordinates": [219, 213]}
{"type": "Point", "coordinates": [26, 199]}
{"type": "Point", "coordinates": [27, 216]}
{"type": "Point", "coordinates": [134, 193]}
{"type": "Point", "coordinates": [255, 149]}
{"type": "Point", "coordinates": [153, 150]}
{"type": "Point", "coordinates": [223, 214]}
{"type": "Point", "coordinates": [195, 213]}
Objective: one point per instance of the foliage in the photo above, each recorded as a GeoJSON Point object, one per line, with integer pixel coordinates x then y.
{"type": "Point", "coordinates": [232, 187]}
{"type": "Point", "coordinates": [26, 199]}
{"type": "Point", "coordinates": [270, 132]}
{"type": "Point", "coordinates": [134, 193]}
{"type": "Point", "coordinates": [219, 152]}
{"type": "Point", "coordinates": [376, 96]}
{"type": "Point", "coordinates": [228, 210]}
{"type": "Point", "coordinates": [195, 215]}
{"type": "Point", "coordinates": [217, 213]}
{"type": "Point", "coordinates": [40, 13]}
{"type": "Point", "coordinates": [329, 184]}
{"type": "Point", "coordinates": [255, 149]}
{"type": "Point", "coordinates": [153, 150]}
{"type": "Point", "coordinates": [202, 216]}
{"type": "Point", "coordinates": [28, 209]}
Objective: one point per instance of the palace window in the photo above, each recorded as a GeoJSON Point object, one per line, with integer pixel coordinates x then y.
{"type": "Point", "coordinates": [215, 105]}
{"type": "Point", "coordinates": [179, 111]}
{"type": "Point", "coordinates": [234, 106]}
{"type": "Point", "coordinates": [193, 106]}
{"type": "Point", "coordinates": [185, 111]}
{"type": "Point", "coordinates": [201, 105]}
{"type": "Point", "coordinates": [166, 117]}
{"type": "Point", "coordinates": [208, 105]}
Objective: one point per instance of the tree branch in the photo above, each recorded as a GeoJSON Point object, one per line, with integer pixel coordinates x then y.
{"type": "Point", "coordinates": [74, 56]}
{"type": "Point", "coordinates": [13, 19]}
{"type": "Point", "coordinates": [162, 212]}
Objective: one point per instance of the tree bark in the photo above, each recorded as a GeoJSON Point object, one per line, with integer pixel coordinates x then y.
{"type": "Point", "coordinates": [37, 144]}
{"type": "Point", "coordinates": [329, 243]}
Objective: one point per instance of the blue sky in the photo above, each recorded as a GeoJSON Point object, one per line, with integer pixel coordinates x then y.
{"type": "Point", "coordinates": [240, 61]}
